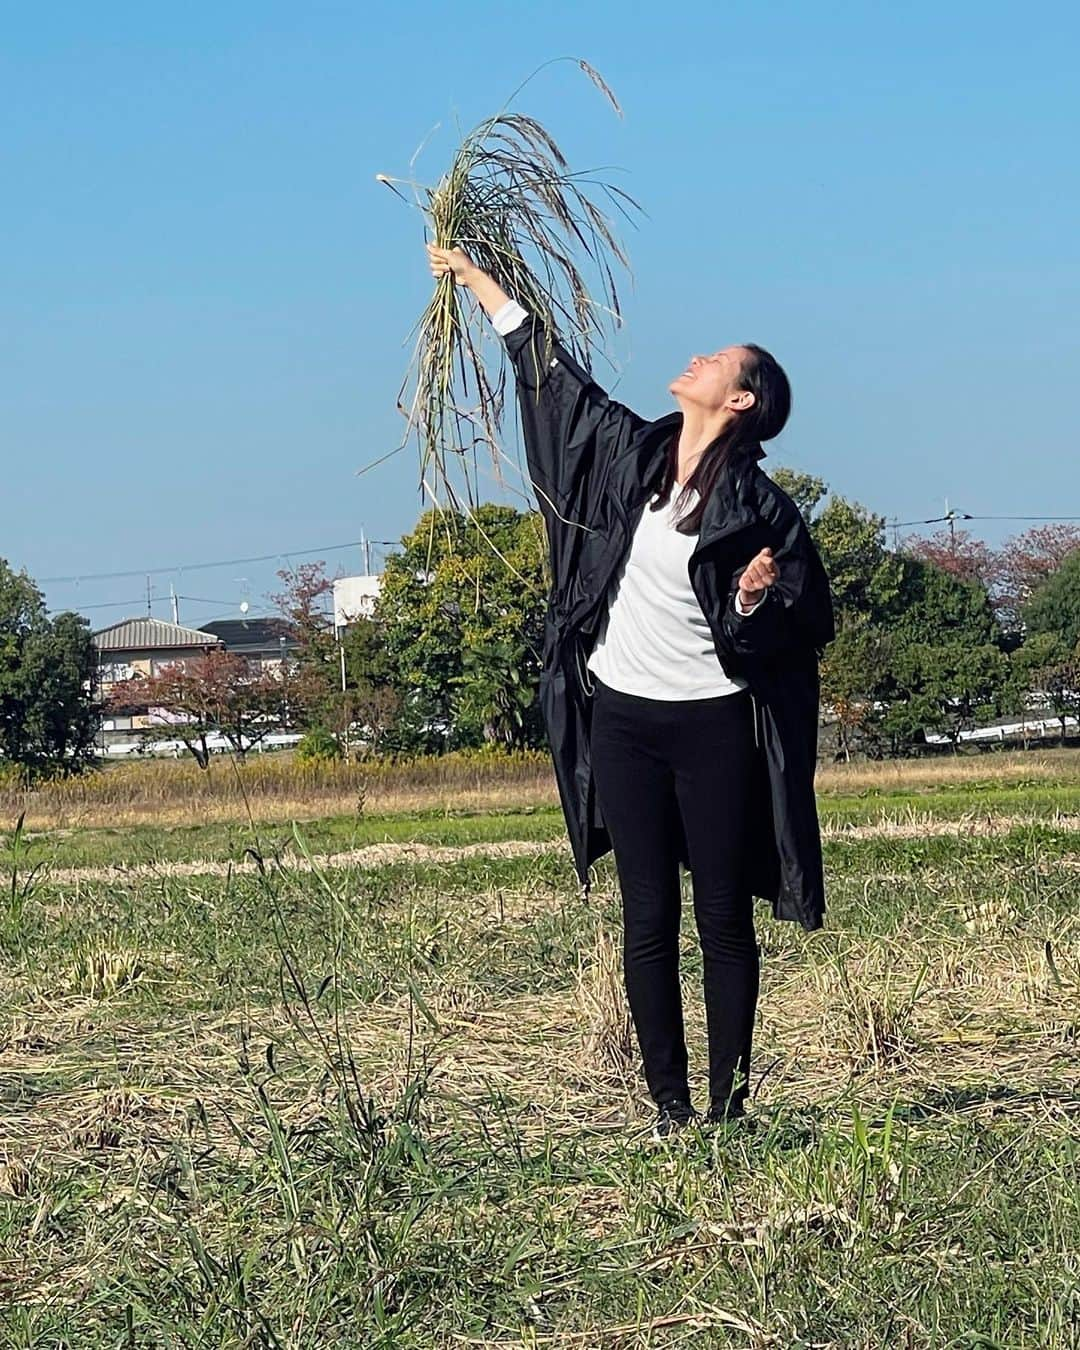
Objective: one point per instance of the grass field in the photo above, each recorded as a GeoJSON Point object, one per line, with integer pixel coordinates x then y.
{"type": "Point", "coordinates": [373, 1083]}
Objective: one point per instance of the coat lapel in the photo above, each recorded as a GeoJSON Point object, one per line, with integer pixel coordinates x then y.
{"type": "Point", "coordinates": [727, 510]}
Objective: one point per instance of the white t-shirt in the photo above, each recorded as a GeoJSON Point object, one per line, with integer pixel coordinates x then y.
{"type": "Point", "coordinates": [654, 641]}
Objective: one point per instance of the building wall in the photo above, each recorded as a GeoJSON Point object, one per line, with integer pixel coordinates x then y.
{"type": "Point", "coordinates": [354, 598]}
{"type": "Point", "coordinates": [116, 666]}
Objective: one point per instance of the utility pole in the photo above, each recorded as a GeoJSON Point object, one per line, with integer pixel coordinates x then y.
{"type": "Point", "coordinates": [149, 611]}
{"type": "Point", "coordinates": [175, 604]}
{"type": "Point", "coordinates": [952, 515]}
{"type": "Point", "coordinates": [344, 689]}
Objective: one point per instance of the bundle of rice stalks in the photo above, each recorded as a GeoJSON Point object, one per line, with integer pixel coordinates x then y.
{"type": "Point", "coordinates": [511, 202]}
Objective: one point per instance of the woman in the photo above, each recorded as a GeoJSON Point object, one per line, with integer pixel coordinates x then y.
{"type": "Point", "coordinates": [687, 615]}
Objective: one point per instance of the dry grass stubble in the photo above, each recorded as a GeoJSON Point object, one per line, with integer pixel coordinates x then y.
{"type": "Point", "coordinates": [177, 793]}
{"type": "Point", "coordinates": [911, 1016]}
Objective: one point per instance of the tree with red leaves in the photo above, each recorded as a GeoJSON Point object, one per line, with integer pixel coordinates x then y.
{"type": "Point", "coordinates": [217, 691]}
{"type": "Point", "coordinates": [316, 660]}
{"type": "Point", "coordinates": [959, 553]}
{"type": "Point", "coordinates": [304, 605]}
{"type": "Point", "coordinates": [1026, 561]}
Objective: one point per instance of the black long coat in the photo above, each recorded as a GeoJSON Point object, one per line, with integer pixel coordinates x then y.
{"type": "Point", "coordinates": [594, 464]}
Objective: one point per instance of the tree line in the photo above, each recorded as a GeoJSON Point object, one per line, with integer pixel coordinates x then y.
{"type": "Point", "coordinates": [940, 634]}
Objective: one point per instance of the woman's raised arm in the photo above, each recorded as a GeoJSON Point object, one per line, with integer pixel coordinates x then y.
{"type": "Point", "coordinates": [571, 427]}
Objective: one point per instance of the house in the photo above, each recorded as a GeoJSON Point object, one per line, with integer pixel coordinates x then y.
{"type": "Point", "coordinates": [264, 642]}
{"type": "Point", "coordinates": [142, 646]}
{"type": "Point", "coordinates": [145, 647]}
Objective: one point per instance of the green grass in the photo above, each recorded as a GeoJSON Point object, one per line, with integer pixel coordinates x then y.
{"type": "Point", "coordinates": [949, 802]}
{"type": "Point", "coordinates": [231, 841]}
{"type": "Point", "coordinates": [360, 1108]}
{"type": "Point", "coordinates": [225, 841]}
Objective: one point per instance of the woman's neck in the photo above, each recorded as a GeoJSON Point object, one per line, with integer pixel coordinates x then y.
{"type": "Point", "coordinates": [699, 430]}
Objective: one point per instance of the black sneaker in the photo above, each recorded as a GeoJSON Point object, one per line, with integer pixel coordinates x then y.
{"type": "Point", "coordinates": [728, 1113]}
{"type": "Point", "coordinates": [672, 1116]}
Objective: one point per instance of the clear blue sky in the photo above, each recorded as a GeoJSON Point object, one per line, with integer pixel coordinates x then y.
{"type": "Point", "coordinates": [205, 294]}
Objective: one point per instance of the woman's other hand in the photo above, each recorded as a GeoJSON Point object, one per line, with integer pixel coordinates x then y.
{"type": "Point", "coordinates": [760, 573]}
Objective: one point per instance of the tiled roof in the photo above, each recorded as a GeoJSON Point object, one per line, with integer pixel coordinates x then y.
{"type": "Point", "coordinates": [140, 634]}
{"type": "Point", "coordinates": [254, 632]}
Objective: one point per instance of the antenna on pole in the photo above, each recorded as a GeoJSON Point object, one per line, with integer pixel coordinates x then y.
{"type": "Point", "coordinates": [952, 515]}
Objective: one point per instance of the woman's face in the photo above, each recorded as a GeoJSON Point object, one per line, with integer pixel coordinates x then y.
{"type": "Point", "coordinates": [712, 382]}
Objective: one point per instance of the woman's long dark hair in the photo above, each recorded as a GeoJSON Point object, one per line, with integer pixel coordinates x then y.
{"type": "Point", "coordinates": [764, 377]}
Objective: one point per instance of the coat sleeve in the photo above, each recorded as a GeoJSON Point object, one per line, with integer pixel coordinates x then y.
{"type": "Point", "coordinates": [796, 612]}
{"type": "Point", "coordinates": [571, 428]}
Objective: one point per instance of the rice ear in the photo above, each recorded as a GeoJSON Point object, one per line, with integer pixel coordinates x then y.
{"type": "Point", "coordinates": [510, 199]}
{"type": "Point", "coordinates": [601, 84]}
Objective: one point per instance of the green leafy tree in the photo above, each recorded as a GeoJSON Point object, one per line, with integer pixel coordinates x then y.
{"type": "Point", "coordinates": [946, 669]}
{"type": "Point", "coordinates": [1043, 667]}
{"type": "Point", "coordinates": [1061, 683]}
{"type": "Point", "coordinates": [48, 718]}
{"type": "Point", "coordinates": [1054, 606]}
{"type": "Point", "coordinates": [804, 489]}
{"type": "Point", "coordinates": [948, 687]}
{"type": "Point", "coordinates": [366, 657]}
{"type": "Point", "coordinates": [853, 674]}
{"type": "Point", "coordinates": [935, 606]}
{"type": "Point", "coordinates": [1027, 666]}
{"type": "Point", "coordinates": [864, 577]}
{"type": "Point", "coordinates": [374, 702]}
{"type": "Point", "coordinates": [461, 610]}
{"type": "Point", "coordinates": [496, 692]}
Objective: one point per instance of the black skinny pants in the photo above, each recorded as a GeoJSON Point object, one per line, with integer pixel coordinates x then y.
{"type": "Point", "coordinates": [653, 762]}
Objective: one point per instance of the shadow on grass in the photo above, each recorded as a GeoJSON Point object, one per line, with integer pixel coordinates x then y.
{"type": "Point", "coordinates": [951, 1101]}
{"type": "Point", "coordinates": [786, 1128]}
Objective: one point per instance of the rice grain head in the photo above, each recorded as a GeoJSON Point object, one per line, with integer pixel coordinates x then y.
{"type": "Point", "coordinates": [510, 200]}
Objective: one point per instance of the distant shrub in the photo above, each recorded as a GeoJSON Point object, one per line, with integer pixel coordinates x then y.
{"type": "Point", "coordinates": [319, 746]}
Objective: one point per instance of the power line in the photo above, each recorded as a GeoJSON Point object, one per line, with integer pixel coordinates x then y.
{"type": "Point", "coordinates": [112, 604]}
{"type": "Point", "coordinates": [78, 578]}
{"type": "Point", "coordinates": [965, 515]}
{"type": "Point", "coordinates": [205, 600]}
{"type": "Point", "coordinates": [932, 520]}
{"type": "Point", "coordinates": [204, 566]}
